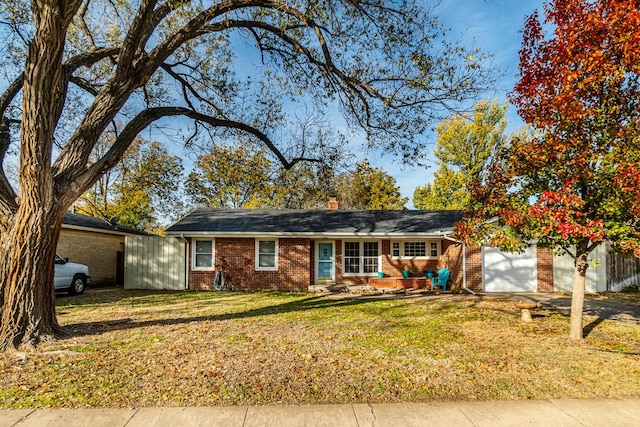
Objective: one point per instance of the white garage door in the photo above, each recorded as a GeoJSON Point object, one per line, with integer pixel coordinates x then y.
{"type": "Point", "coordinates": [507, 272]}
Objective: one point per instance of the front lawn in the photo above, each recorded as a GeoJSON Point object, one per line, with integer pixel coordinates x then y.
{"type": "Point", "coordinates": [136, 348]}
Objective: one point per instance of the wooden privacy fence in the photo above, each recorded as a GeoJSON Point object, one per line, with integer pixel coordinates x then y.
{"type": "Point", "coordinates": [622, 272]}
{"type": "Point", "coordinates": [154, 263]}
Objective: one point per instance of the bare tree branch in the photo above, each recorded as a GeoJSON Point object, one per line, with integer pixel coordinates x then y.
{"type": "Point", "coordinates": [145, 118]}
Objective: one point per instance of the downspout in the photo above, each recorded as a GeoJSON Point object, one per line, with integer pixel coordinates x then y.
{"type": "Point", "coordinates": [464, 263]}
{"type": "Point", "coordinates": [186, 262]}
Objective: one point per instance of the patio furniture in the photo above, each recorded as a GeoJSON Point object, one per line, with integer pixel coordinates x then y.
{"type": "Point", "coordinates": [441, 279]}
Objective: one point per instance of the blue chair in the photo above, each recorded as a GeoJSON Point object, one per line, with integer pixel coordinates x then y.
{"type": "Point", "coordinates": [441, 279]}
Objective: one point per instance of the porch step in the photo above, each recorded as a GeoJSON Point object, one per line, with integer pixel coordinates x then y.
{"type": "Point", "coordinates": [326, 287]}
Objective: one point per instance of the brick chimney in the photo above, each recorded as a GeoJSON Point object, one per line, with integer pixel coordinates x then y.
{"type": "Point", "coordinates": [333, 204]}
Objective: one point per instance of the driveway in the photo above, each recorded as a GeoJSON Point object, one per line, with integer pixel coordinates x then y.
{"type": "Point", "coordinates": [562, 303]}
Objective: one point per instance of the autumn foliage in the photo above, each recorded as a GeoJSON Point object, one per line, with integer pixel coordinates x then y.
{"type": "Point", "coordinates": [575, 183]}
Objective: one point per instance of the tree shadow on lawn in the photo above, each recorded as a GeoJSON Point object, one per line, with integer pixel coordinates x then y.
{"type": "Point", "coordinates": [312, 303]}
{"type": "Point", "coordinates": [117, 295]}
{"type": "Point", "coordinates": [591, 326]}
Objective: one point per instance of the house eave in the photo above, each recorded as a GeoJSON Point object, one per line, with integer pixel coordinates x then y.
{"type": "Point", "coordinates": [96, 230]}
{"type": "Point", "coordinates": [322, 235]}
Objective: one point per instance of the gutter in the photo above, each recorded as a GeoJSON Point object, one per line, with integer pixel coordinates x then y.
{"type": "Point", "coordinates": [464, 263]}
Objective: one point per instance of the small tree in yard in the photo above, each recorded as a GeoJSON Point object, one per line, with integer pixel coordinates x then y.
{"type": "Point", "coordinates": [578, 184]}
{"type": "Point", "coordinates": [78, 68]}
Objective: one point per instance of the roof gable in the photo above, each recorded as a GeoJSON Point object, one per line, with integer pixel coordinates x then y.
{"type": "Point", "coordinates": [320, 222]}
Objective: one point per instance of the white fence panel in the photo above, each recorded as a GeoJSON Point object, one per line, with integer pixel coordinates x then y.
{"type": "Point", "coordinates": [596, 281]}
{"type": "Point", "coordinates": [154, 263]}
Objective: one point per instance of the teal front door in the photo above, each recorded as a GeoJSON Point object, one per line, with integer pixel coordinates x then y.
{"type": "Point", "coordinates": [326, 260]}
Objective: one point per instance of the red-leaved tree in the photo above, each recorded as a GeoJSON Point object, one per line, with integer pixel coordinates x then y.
{"type": "Point", "coordinates": [576, 183]}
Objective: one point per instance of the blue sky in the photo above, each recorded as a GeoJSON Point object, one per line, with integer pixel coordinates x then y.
{"type": "Point", "coordinates": [493, 26]}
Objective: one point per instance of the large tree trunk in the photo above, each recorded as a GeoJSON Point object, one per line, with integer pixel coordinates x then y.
{"type": "Point", "coordinates": [29, 232]}
{"type": "Point", "coordinates": [577, 295]}
{"type": "Point", "coordinates": [27, 267]}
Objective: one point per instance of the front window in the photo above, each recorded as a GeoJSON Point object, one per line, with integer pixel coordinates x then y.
{"type": "Point", "coordinates": [434, 249]}
{"type": "Point", "coordinates": [396, 249]}
{"type": "Point", "coordinates": [203, 254]}
{"type": "Point", "coordinates": [426, 249]}
{"type": "Point", "coordinates": [352, 257]}
{"type": "Point", "coordinates": [370, 257]}
{"type": "Point", "coordinates": [361, 258]}
{"type": "Point", "coordinates": [415, 249]}
{"type": "Point", "coordinates": [266, 254]}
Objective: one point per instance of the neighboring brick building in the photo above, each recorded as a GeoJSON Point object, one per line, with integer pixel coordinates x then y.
{"type": "Point", "coordinates": [97, 243]}
{"type": "Point", "coordinates": [295, 249]}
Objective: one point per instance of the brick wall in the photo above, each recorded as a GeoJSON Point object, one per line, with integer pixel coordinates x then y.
{"type": "Point", "coordinates": [545, 270]}
{"type": "Point", "coordinates": [97, 250]}
{"type": "Point", "coordinates": [474, 268]}
{"type": "Point", "coordinates": [236, 256]}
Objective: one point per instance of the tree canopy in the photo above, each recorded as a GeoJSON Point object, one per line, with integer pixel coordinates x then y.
{"type": "Point", "coordinates": [142, 186]}
{"type": "Point", "coordinates": [230, 176]}
{"type": "Point", "coordinates": [464, 144]}
{"type": "Point", "coordinates": [366, 187]}
{"type": "Point", "coordinates": [576, 184]}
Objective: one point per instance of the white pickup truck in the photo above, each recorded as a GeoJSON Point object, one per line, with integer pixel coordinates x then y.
{"type": "Point", "coordinates": [70, 276]}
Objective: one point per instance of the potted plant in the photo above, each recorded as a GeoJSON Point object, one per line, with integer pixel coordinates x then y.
{"type": "Point", "coordinates": [429, 274]}
{"type": "Point", "coordinates": [405, 273]}
{"type": "Point", "coordinates": [380, 275]}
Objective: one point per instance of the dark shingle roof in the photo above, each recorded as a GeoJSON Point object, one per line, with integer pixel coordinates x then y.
{"type": "Point", "coordinates": [322, 222]}
{"type": "Point", "coordinates": [77, 220]}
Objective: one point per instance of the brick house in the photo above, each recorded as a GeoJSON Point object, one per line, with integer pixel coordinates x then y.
{"type": "Point", "coordinates": [299, 249]}
{"type": "Point", "coordinates": [97, 243]}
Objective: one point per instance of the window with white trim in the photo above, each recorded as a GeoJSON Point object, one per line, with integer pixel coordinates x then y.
{"type": "Point", "coordinates": [370, 257]}
{"type": "Point", "coordinates": [352, 257]}
{"type": "Point", "coordinates": [396, 250]}
{"type": "Point", "coordinates": [425, 249]}
{"type": "Point", "coordinates": [266, 254]}
{"type": "Point", "coordinates": [415, 249]}
{"type": "Point", "coordinates": [434, 249]}
{"type": "Point", "coordinates": [203, 254]}
{"type": "Point", "coordinates": [361, 257]}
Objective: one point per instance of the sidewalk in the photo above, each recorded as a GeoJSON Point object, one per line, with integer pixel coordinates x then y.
{"type": "Point", "coordinates": [544, 413]}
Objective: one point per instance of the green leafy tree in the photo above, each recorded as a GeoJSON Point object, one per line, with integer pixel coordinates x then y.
{"type": "Point", "coordinates": [369, 188]}
{"type": "Point", "coordinates": [142, 186]}
{"type": "Point", "coordinates": [448, 191]}
{"type": "Point", "coordinates": [577, 184]}
{"type": "Point", "coordinates": [464, 145]}
{"type": "Point", "coordinates": [77, 67]}
{"type": "Point", "coordinates": [230, 176]}
{"type": "Point", "coordinates": [305, 186]}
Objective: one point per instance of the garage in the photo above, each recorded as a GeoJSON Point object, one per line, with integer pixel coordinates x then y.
{"type": "Point", "coordinates": [509, 272]}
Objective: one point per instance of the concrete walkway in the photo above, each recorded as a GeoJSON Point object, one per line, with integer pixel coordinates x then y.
{"type": "Point", "coordinates": [544, 413]}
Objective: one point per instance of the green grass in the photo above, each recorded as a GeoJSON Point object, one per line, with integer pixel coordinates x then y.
{"type": "Point", "coordinates": [135, 348]}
